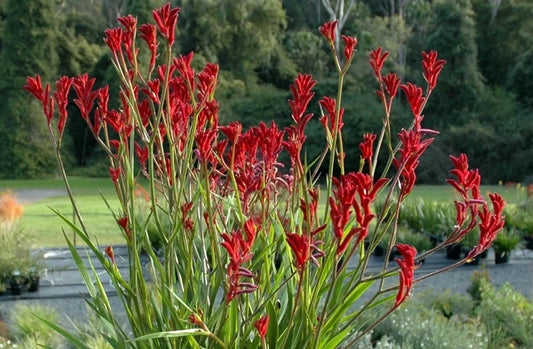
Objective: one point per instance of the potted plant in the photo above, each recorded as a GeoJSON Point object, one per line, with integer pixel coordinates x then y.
{"type": "Point", "coordinates": [33, 279]}
{"type": "Point", "coordinates": [16, 282]}
{"type": "Point", "coordinates": [506, 241]}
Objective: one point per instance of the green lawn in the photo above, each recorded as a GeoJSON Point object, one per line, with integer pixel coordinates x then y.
{"type": "Point", "coordinates": [45, 228]}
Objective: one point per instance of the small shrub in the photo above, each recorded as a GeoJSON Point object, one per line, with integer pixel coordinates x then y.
{"type": "Point", "coordinates": [507, 241]}
{"type": "Point", "coordinates": [480, 277]}
{"type": "Point", "coordinates": [432, 218]}
{"type": "Point", "coordinates": [30, 331]}
{"type": "Point", "coordinates": [416, 326]}
{"type": "Point", "coordinates": [451, 304]}
{"type": "Point", "coordinates": [421, 241]}
{"type": "Point", "coordinates": [507, 315]}
{"type": "Point", "coordinates": [16, 255]}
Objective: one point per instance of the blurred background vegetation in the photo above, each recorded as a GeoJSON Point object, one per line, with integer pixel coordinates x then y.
{"type": "Point", "coordinates": [483, 104]}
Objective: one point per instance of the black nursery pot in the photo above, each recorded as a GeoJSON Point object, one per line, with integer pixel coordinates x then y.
{"type": "Point", "coordinates": [33, 285]}
{"type": "Point", "coordinates": [16, 289]}
{"type": "Point", "coordinates": [501, 257]}
{"type": "Point", "coordinates": [454, 251]}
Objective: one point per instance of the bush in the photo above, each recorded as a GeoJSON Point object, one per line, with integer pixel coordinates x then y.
{"type": "Point", "coordinates": [30, 331]}
{"type": "Point", "coordinates": [417, 326]}
{"type": "Point", "coordinates": [434, 218]}
{"type": "Point", "coordinates": [507, 315]}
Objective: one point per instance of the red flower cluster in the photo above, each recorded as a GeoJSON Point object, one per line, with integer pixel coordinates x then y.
{"type": "Point", "coordinates": [490, 226]}
{"type": "Point", "coordinates": [413, 146]}
{"type": "Point", "coordinates": [329, 30]}
{"type": "Point", "coordinates": [491, 223]}
{"type": "Point", "coordinates": [407, 272]}
{"type": "Point", "coordinates": [355, 191]}
{"type": "Point", "coordinates": [432, 67]}
{"type": "Point", "coordinates": [167, 19]}
{"type": "Point", "coordinates": [468, 186]}
{"type": "Point", "coordinates": [239, 249]}
{"type": "Point", "coordinates": [262, 326]}
{"type": "Point", "coordinates": [377, 60]}
{"type": "Point", "coordinates": [367, 146]}
{"type": "Point", "coordinates": [34, 85]}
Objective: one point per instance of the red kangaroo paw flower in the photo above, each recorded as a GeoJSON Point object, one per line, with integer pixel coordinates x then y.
{"type": "Point", "coordinates": [432, 67]}
{"type": "Point", "coordinates": [167, 18]}
{"type": "Point", "coordinates": [377, 60]}
{"type": "Point", "coordinates": [407, 272]}
{"type": "Point", "coordinates": [329, 30]}
{"type": "Point", "coordinates": [350, 43]}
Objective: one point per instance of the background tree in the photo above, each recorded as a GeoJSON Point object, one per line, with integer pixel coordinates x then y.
{"type": "Point", "coordinates": [29, 46]}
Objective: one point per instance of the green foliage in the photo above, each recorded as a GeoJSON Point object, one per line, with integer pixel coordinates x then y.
{"type": "Point", "coordinates": [261, 103]}
{"type": "Point", "coordinates": [28, 47]}
{"type": "Point", "coordinates": [479, 278]}
{"type": "Point", "coordinates": [519, 217]}
{"type": "Point", "coordinates": [416, 325]}
{"type": "Point", "coordinates": [434, 218]}
{"type": "Point", "coordinates": [507, 316]}
{"type": "Point", "coordinates": [30, 331]}
{"type": "Point", "coordinates": [420, 241]}
{"type": "Point", "coordinates": [16, 254]}
{"type": "Point", "coordinates": [507, 241]}
{"type": "Point", "coordinates": [504, 34]}
{"type": "Point", "coordinates": [305, 48]}
{"type": "Point", "coordinates": [453, 34]}
{"type": "Point", "coordinates": [241, 36]}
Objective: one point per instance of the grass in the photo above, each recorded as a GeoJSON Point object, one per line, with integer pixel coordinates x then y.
{"type": "Point", "coordinates": [45, 228]}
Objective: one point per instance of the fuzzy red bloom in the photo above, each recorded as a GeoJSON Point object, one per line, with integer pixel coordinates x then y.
{"type": "Point", "coordinates": [468, 181]}
{"type": "Point", "coordinates": [392, 82]}
{"type": "Point", "coordinates": [341, 205]}
{"type": "Point", "coordinates": [302, 94]}
{"type": "Point", "coordinates": [377, 60]}
{"type": "Point", "coordinates": [329, 30]}
{"type": "Point", "coordinates": [490, 226]}
{"type": "Point", "coordinates": [110, 253]}
{"type": "Point", "coordinates": [468, 186]}
{"type": "Point", "coordinates": [115, 173]}
{"type": "Point", "coordinates": [415, 97]}
{"type": "Point", "coordinates": [413, 146]}
{"type": "Point", "coordinates": [367, 146]}
{"type": "Point", "coordinates": [350, 42]}
{"type": "Point", "coordinates": [207, 81]}
{"type": "Point", "coordinates": [184, 65]}
{"type": "Point", "coordinates": [167, 18]}
{"type": "Point", "coordinates": [240, 251]}
{"type": "Point", "coordinates": [262, 326]}
{"type": "Point", "coordinates": [113, 39]}
{"type": "Point", "coordinates": [124, 222]}
{"type": "Point", "coordinates": [432, 67]}
{"type": "Point", "coordinates": [83, 86]}
{"type": "Point", "coordinates": [407, 272]}
{"type": "Point", "coordinates": [142, 154]}
{"type": "Point", "coordinates": [149, 34]}
{"type": "Point", "coordinates": [204, 142]}
{"type": "Point", "coordinates": [233, 131]}
{"type": "Point", "coordinates": [301, 246]}
{"type": "Point", "coordinates": [129, 22]}
{"type": "Point", "coordinates": [330, 120]}
{"type": "Point", "coordinates": [35, 87]}
{"type": "Point", "coordinates": [61, 97]}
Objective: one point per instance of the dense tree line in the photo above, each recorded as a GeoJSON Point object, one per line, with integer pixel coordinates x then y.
{"type": "Point", "coordinates": [483, 104]}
